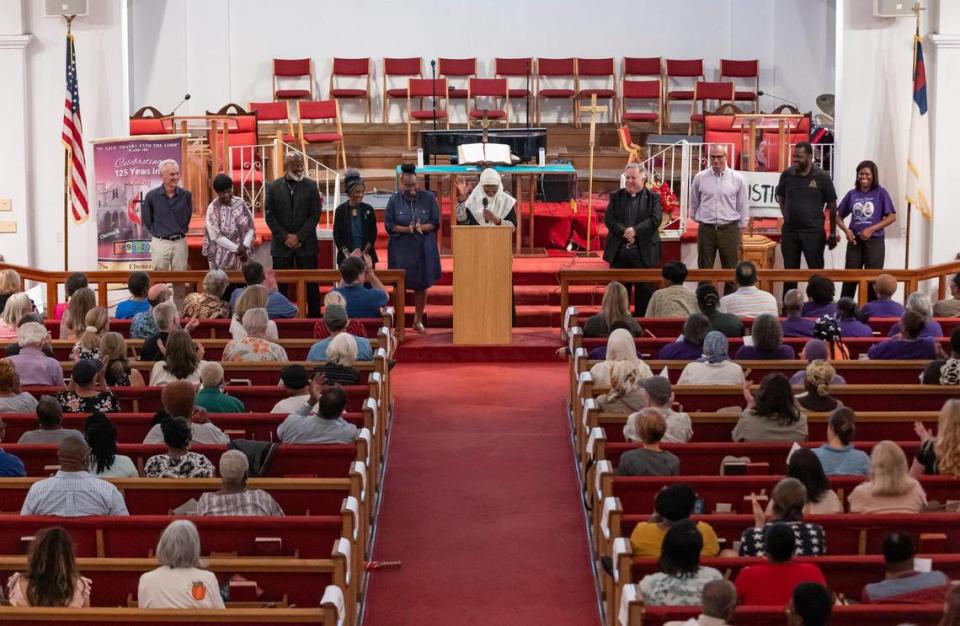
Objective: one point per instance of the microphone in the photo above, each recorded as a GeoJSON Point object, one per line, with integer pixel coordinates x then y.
{"type": "Point", "coordinates": [433, 62]}
{"type": "Point", "coordinates": [186, 97]}
{"type": "Point", "coordinates": [760, 92]}
{"type": "Point", "coordinates": [485, 203]}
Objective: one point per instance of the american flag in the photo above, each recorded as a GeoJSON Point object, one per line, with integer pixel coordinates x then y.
{"type": "Point", "coordinates": [72, 137]}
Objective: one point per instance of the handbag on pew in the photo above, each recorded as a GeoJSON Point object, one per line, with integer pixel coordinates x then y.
{"type": "Point", "coordinates": [259, 453]}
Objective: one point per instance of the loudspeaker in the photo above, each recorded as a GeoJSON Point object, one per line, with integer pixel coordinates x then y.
{"type": "Point", "coordinates": [893, 8]}
{"type": "Point", "coordinates": [58, 8]}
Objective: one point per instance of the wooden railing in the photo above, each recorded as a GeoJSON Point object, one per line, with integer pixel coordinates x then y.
{"type": "Point", "coordinates": [393, 280]}
{"type": "Point", "coordinates": [766, 278]}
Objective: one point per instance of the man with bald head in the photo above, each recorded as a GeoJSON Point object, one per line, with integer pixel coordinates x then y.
{"type": "Point", "coordinates": [73, 491]}
{"type": "Point", "coordinates": [292, 210]}
{"type": "Point", "coordinates": [179, 400]}
{"type": "Point", "coordinates": [719, 600]}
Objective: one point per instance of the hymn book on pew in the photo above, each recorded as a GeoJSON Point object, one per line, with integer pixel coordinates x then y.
{"type": "Point", "coordinates": [484, 154]}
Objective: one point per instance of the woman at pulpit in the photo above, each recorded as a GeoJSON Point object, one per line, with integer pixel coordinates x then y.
{"type": "Point", "coordinates": [487, 204]}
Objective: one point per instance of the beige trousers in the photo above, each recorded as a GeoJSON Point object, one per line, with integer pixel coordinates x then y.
{"type": "Point", "coordinates": [168, 255]}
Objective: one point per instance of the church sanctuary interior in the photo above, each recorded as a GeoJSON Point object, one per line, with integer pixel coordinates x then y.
{"type": "Point", "coordinates": [611, 313]}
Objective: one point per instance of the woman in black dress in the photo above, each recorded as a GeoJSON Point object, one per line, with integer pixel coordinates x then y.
{"type": "Point", "coordinates": [355, 222]}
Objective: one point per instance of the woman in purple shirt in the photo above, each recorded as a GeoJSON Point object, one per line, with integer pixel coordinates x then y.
{"type": "Point", "coordinates": [690, 346]}
{"type": "Point", "coordinates": [920, 303]}
{"type": "Point", "coordinates": [820, 293]}
{"type": "Point", "coordinates": [871, 210]}
{"type": "Point", "coordinates": [909, 344]}
{"type": "Point", "coordinates": [847, 318]}
{"type": "Point", "coordinates": [767, 342]}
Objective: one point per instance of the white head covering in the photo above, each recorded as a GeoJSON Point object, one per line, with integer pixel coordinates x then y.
{"type": "Point", "coordinates": [621, 347]}
{"type": "Point", "coordinates": [500, 204]}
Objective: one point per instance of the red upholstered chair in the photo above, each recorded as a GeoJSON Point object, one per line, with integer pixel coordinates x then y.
{"type": "Point", "coordinates": [626, 142]}
{"type": "Point", "coordinates": [150, 121]}
{"type": "Point", "coordinates": [457, 68]}
{"type": "Point", "coordinates": [495, 88]}
{"type": "Point", "coordinates": [426, 89]}
{"type": "Point", "coordinates": [325, 113]}
{"type": "Point", "coordinates": [353, 68]}
{"type": "Point", "coordinates": [289, 69]}
{"type": "Point", "coordinates": [276, 114]}
{"type": "Point", "coordinates": [245, 160]}
{"type": "Point", "coordinates": [557, 68]}
{"type": "Point", "coordinates": [686, 70]}
{"type": "Point", "coordinates": [649, 90]}
{"type": "Point", "coordinates": [595, 69]}
{"type": "Point", "coordinates": [706, 91]}
{"type": "Point", "coordinates": [719, 129]}
{"type": "Point", "coordinates": [743, 70]}
{"type": "Point", "coordinates": [406, 67]}
{"type": "Point", "coordinates": [515, 68]}
{"type": "Point", "coordinates": [642, 66]}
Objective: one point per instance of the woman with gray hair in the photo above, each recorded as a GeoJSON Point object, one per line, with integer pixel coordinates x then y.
{"type": "Point", "coordinates": [254, 347]}
{"type": "Point", "coordinates": [167, 319]}
{"type": "Point", "coordinates": [920, 303]}
{"type": "Point", "coordinates": [209, 304]}
{"type": "Point", "coordinates": [341, 355]}
{"type": "Point", "coordinates": [234, 498]}
{"type": "Point", "coordinates": [179, 583]}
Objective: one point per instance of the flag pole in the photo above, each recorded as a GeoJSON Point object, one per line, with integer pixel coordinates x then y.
{"type": "Point", "coordinates": [906, 260]}
{"type": "Point", "coordinates": [66, 178]}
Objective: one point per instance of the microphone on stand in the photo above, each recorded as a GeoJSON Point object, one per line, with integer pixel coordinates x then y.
{"type": "Point", "coordinates": [760, 92]}
{"type": "Point", "coordinates": [186, 97]}
{"type": "Point", "coordinates": [433, 76]}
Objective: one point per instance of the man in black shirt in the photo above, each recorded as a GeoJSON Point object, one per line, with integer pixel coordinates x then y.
{"type": "Point", "coordinates": [802, 193]}
{"type": "Point", "coordinates": [292, 210]}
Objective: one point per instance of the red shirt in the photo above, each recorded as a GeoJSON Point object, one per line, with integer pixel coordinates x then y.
{"type": "Point", "coordinates": [772, 584]}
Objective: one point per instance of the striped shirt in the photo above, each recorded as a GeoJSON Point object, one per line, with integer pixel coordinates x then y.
{"type": "Point", "coordinates": [749, 302]}
{"type": "Point", "coordinates": [73, 494]}
{"type": "Point", "coordinates": [256, 502]}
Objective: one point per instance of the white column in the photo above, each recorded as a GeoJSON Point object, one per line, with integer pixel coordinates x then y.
{"type": "Point", "coordinates": [944, 80]}
{"type": "Point", "coordinates": [14, 101]}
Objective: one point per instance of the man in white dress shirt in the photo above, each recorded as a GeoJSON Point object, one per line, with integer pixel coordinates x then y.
{"type": "Point", "coordinates": [719, 599]}
{"type": "Point", "coordinates": [718, 203]}
{"type": "Point", "coordinates": [73, 491]}
{"type": "Point", "coordinates": [748, 300]}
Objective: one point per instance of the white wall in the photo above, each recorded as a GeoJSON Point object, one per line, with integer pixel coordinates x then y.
{"type": "Point", "coordinates": [220, 50]}
{"type": "Point", "coordinates": [101, 67]}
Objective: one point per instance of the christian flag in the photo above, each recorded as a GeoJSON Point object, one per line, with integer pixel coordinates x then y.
{"type": "Point", "coordinates": [918, 159]}
{"type": "Point", "coordinates": [72, 138]}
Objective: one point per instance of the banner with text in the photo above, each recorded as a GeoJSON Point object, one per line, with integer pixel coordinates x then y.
{"type": "Point", "coordinates": [126, 169]}
{"type": "Point", "coordinates": [761, 193]}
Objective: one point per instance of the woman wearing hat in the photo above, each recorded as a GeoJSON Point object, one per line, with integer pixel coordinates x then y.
{"type": "Point", "coordinates": [355, 222]}
{"type": "Point", "coordinates": [228, 236]}
{"type": "Point", "coordinates": [488, 203]}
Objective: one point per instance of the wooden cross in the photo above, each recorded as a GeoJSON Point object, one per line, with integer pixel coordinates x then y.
{"type": "Point", "coordinates": [485, 124]}
{"type": "Point", "coordinates": [593, 110]}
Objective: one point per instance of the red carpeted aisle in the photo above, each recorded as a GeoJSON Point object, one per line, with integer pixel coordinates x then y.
{"type": "Point", "coordinates": [481, 502]}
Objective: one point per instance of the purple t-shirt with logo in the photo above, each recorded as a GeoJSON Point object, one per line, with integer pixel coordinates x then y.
{"type": "Point", "coordinates": [866, 208]}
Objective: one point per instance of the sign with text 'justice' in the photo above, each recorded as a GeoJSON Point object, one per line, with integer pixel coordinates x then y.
{"type": "Point", "coordinates": [126, 169]}
{"type": "Point", "coordinates": [761, 193]}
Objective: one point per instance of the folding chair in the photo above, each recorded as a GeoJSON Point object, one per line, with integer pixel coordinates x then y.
{"type": "Point", "coordinates": [290, 69]}
{"type": "Point", "coordinates": [353, 68]}
{"type": "Point", "coordinates": [642, 90]}
{"type": "Point", "coordinates": [557, 68]}
{"type": "Point", "coordinates": [705, 91]}
{"type": "Point", "coordinates": [744, 70]}
{"type": "Point", "coordinates": [592, 69]}
{"type": "Point", "coordinates": [495, 88]}
{"type": "Point", "coordinates": [323, 111]}
{"type": "Point", "coordinates": [426, 88]}
{"type": "Point", "coordinates": [409, 66]}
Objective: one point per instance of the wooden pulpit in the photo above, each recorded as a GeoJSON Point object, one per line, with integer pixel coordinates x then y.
{"type": "Point", "coordinates": [482, 285]}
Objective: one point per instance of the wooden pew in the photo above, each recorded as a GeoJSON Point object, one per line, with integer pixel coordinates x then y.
{"type": "Point", "coordinates": [327, 615]}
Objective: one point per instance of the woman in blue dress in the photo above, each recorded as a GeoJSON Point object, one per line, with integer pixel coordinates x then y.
{"type": "Point", "coordinates": [411, 221]}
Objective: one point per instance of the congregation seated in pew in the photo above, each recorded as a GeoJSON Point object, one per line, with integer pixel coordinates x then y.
{"type": "Point", "coordinates": [920, 304]}
{"type": "Point", "coordinates": [138, 283]}
{"type": "Point", "coordinates": [179, 582]}
{"type": "Point", "coordinates": [32, 365]}
{"type": "Point", "coordinates": [354, 327]}
{"type": "Point", "coordinates": [945, 371]}
{"type": "Point", "coordinates": [681, 578]}
{"type": "Point", "coordinates": [365, 295]}
{"type": "Point", "coordinates": [767, 341]}
{"type": "Point", "coordinates": [295, 382]}
{"type": "Point", "coordinates": [885, 286]}
{"type": "Point", "coordinates": [254, 347]}
{"type": "Point", "coordinates": [772, 583]}
{"type": "Point", "coordinates": [623, 371]}
{"type": "Point", "coordinates": [649, 459]}
{"type": "Point", "coordinates": [83, 394]}
{"type": "Point", "coordinates": [326, 425]}
{"type": "Point", "coordinates": [659, 396]}
{"type": "Point", "coordinates": [101, 435]}
{"type": "Point", "coordinates": [211, 395]}
{"type": "Point", "coordinates": [794, 324]}
{"type": "Point", "coordinates": [805, 466]}
{"type": "Point", "coordinates": [88, 344]}
{"type": "Point", "coordinates": [772, 414]}
{"type": "Point", "coordinates": [179, 461]}
{"type": "Point", "coordinates": [277, 304]}
{"type": "Point", "coordinates": [143, 325]}
{"type": "Point", "coordinates": [903, 583]}
{"type": "Point", "coordinates": [614, 309]}
{"type": "Point", "coordinates": [718, 602]}
{"type": "Point", "coordinates": [908, 343]}
{"type": "Point", "coordinates": [167, 319]}
{"type": "Point", "coordinates": [253, 297]}
{"type": "Point", "coordinates": [235, 498]}
{"type": "Point", "coordinates": [940, 453]}
{"type": "Point", "coordinates": [951, 306]}
{"type": "Point", "coordinates": [748, 300]}
{"type": "Point", "coordinates": [73, 491]}
{"type": "Point", "coordinates": [13, 399]}
{"type": "Point", "coordinates": [690, 344]}
{"type": "Point", "coordinates": [789, 499]}
{"type": "Point", "coordinates": [178, 399]}
{"type": "Point", "coordinates": [813, 350]}
{"type": "Point", "coordinates": [209, 304]}
{"type": "Point", "coordinates": [673, 504]}
{"type": "Point", "coordinates": [117, 369]}
{"type": "Point", "coordinates": [73, 322]}
{"type": "Point", "coordinates": [183, 358]}
{"type": "Point", "coordinates": [50, 424]}
{"type": "Point", "coordinates": [820, 293]}
{"type": "Point", "coordinates": [341, 357]}
{"type": "Point", "coordinates": [889, 487]}
{"type": "Point", "coordinates": [708, 300]}
{"type": "Point", "coordinates": [715, 367]}
{"type": "Point", "coordinates": [336, 320]}
{"type": "Point", "coordinates": [52, 577]}
{"type": "Point", "coordinates": [848, 318]}
{"type": "Point", "coordinates": [838, 456]}
{"type": "Point", "coordinates": [674, 300]}
{"type": "Point", "coordinates": [816, 396]}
